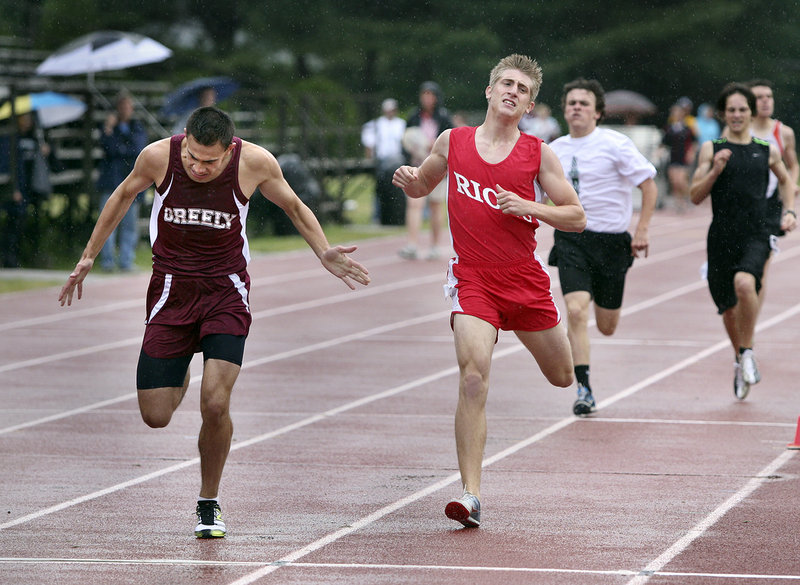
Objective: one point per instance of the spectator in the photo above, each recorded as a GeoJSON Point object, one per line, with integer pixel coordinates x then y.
{"type": "Point", "coordinates": [680, 138]}
{"type": "Point", "coordinates": [707, 126]}
{"type": "Point", "coordinates": [122, 139]}
{"type": "Point", "coordinates": [382, 139]}
{"type": "Point", "coordinates": [424, 126]}
{"type": "Point", "coordinates": [32, 188]}
{"type": "Point", "coordinates": [208, 97]}
{"type": "Point", "coordinates": [541, 123]}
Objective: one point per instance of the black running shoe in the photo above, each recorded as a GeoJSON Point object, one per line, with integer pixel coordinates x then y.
{"type": "Point", "coordinates": [585, 403]}
{"type": "Point", "coordinates": [209, 520]}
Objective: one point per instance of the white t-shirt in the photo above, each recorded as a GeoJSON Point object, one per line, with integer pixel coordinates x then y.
{"type": "Point", "coordinates": [603, 168]}
{"type": "Point", "coordinates": [384, 137]}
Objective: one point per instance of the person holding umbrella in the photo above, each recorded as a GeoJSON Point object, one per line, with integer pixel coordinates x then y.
{"type": "Point", "coordinates": [122, 138]}
{"type": "Point", "coordinates": [198, 298]}
{"type": "Point", "coordinates": [207, 96]}
{"type": "Point", "coordinates": [198, 93]}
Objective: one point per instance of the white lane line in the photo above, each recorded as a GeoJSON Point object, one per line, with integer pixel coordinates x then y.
{"type": "Point", "coordinates": [249, 364]}
{"type": "Point", "coordinates": [71, 313]}
{"type": "Point", "coordinates": [389, 567]}
{"type": "Point", "coordinates": [701, 527]}
{"type": "Point", "coordinates": [245, 443]}
{"type": "Point", "coordinates": [371, 263]}
{"type": "Point", "coordinates": [686, 421]}
{"type": "Point", "coordinates": [563, 423]}
{"type": "Point", "coordinates": [67, 413]}
{"type": "Point", "coordinates": [369, 291]}
{"type": "Point", "coordinates": [700, 355]}
{"type": "Point", "coordinates": [66, 313]}
{"type": "Point", "coordinates": [550, 570]}
{"type": "Point", "coordinates": [258, 315]}
{"type": "Point", "coordinates": [54, 357]}
{"type": "Point", "coordinates": [76, 313]}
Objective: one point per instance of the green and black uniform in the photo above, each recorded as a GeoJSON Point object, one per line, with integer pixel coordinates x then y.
{"type": "Point", "coordinates": [738, 240]}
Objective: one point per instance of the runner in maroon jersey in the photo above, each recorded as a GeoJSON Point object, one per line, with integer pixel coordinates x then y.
{"type": "Point", "coordinates": [497, 281]}
{"type": "Point", "coordinates": [198, 299]}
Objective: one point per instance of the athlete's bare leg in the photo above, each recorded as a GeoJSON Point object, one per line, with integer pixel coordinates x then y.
{"type": "Point", "coordinates": [740, 320]}
{"type": "Point", "coordinates": [578, 325]}
{"type": "Point", "coordinates": [551, 350]}
{"type": "Point", "coordinates": [606, 319]}
{"type": "Point", "coordinates": [216, 431]}
{"type": "Point", "coordinates": [414, 209]}
{"type": "Point", "coordinates": [436, 221]}
{"type": "Point", "coordinates": [474, 340]}
{"type": "Point", "coordinates": [156, 405]}
{"type": "Point", "coordinates": [762, 292]}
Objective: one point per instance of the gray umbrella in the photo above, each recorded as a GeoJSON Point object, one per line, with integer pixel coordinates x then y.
{"type": "Point", "coordinates": [103, 51]}
{"type": "Point", "coordinates": [623, 102]}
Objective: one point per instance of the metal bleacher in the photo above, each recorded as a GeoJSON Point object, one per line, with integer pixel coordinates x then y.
{"type": "Point", "coordinates": [325, 146]}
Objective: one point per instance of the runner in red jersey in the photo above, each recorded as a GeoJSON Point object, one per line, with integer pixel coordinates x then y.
{"type": "Point", "coordinates": [199, 290]}
{"type": "Point", "coordinates": [496, 280]}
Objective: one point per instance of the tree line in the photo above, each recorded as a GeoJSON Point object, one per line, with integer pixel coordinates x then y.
{"type": "Point", "coordinates": [663, 49]}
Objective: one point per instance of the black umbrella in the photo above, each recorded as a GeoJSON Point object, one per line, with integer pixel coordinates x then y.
{"type": "Point", "coordinates": [187, 97]}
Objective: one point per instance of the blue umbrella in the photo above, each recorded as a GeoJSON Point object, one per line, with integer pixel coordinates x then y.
{"type": "Point", "coordinates": [187, 97]}
{"type": "Point", "coordinates": [53, 109]}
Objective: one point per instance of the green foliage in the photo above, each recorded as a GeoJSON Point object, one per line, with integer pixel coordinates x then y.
{"type": "Point", "coordinates": [340, 58]}
{"type": "Point", "coordinates": [663, 49]}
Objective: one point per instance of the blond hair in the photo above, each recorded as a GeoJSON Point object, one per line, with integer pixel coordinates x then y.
{"type": "Point", "coordinates": [523, 64]}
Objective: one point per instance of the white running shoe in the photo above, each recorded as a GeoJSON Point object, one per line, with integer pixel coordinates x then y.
{"type": "Point", "coordinates": [466, 509]}
{"type": "Point", "coordinates": [740, 387]}
{"type": "Point", "coordinates": [750, 371]}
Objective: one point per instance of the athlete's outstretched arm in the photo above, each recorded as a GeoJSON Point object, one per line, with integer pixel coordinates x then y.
{"type": "Point", "coordinates": [149, 163]}
{"type": "Point", "coordinates": [419, 181]}
{"type": "Point", "coordinates": [567, 214]}
{"type": "Point", "coordinates": [274, 187]}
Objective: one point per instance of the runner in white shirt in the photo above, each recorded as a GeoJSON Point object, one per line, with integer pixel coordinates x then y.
{"type": "Point", "coordinates": [604, 167]}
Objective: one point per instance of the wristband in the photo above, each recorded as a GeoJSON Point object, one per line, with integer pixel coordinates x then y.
{"type": "Point", "coordinates": [790, 211]}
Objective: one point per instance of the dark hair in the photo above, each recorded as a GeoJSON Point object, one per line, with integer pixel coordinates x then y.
{"type": "Point", "coordinates": [434, 88]}
{"type": "Point", "coordinates": [591, 85]}
{"type": "Point", "coordinates": [733, 88]}
{"type": "Point", "coordinates": [209, 125]}
{"type": "Point", "coordinates": [760, 82]}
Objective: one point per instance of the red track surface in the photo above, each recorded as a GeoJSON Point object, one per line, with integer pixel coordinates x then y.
{"type": "Point", "coordinates": [343, 453]}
